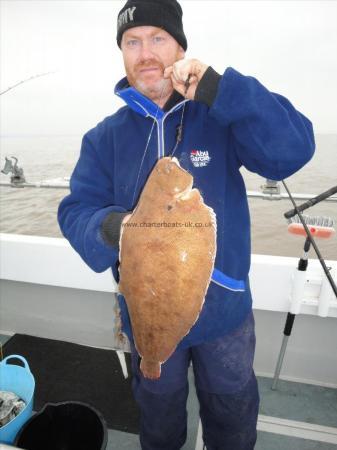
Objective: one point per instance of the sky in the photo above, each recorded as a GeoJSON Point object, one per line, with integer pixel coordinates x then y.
{"type": "Point", "coordinates": [290, 46]}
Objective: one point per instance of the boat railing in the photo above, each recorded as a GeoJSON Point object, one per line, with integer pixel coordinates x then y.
{"type": "Point", "coordinates": [269, 191]}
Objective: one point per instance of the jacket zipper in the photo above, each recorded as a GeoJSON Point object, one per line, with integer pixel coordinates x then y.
{"type": "Point", "coordinates": [160, 129]}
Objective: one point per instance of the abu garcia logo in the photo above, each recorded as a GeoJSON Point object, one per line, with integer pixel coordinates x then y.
{"type": "Point", "coordinates": [200, 158]}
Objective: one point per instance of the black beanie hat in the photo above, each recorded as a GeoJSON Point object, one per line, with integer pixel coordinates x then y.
{"type": "Point", "coordinates": [166, 14]}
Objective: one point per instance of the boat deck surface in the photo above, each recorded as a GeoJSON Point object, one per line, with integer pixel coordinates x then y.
{"type": "Point", "coordinates": [287, 417]}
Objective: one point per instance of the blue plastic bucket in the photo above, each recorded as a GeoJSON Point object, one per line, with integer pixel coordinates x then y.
{"type": "Point", "coordinates": [19, 380]}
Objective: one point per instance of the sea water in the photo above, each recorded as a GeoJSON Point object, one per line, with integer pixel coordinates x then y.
{"type": "Point", "coordinates": [32, 211]}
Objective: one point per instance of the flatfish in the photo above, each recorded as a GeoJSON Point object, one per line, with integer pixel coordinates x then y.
{"type": "Point", "coordinates": [167, 253]}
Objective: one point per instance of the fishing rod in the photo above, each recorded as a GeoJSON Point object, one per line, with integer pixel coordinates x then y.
{"type": "Point", "coordinates": [297, 210]}
{"type": "Point", "coordinates": [322, 228]}
{"type": "Point", "coordinates": [310, 202]}
{"type": "Point", "coordinates": [25, 81]}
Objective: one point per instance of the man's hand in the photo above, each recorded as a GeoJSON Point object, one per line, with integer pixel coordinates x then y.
{"type": "Point", "coordinates": [185, 76]}
{"type": "Point", "coordinates": [112, 227]}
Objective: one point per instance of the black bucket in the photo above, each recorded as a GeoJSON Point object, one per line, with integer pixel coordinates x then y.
{"type": "Point", "coordinates": [64, 426]}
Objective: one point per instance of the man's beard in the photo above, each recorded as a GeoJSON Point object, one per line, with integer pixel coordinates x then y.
{"type": "Point", "coordinates": [157, 90]}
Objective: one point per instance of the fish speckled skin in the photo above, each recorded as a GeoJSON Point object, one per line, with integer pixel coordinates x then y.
{"type": "Point", "coordinates": [167, 253]}
{"type": "Point", "coordinates": [10, 407]}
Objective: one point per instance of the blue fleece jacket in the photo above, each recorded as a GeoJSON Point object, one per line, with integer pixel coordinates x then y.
{"type": "Point", "coordinates": [245, 125]}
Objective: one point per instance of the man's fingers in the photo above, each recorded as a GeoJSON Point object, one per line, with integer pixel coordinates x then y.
{"type": "Point", "coordinates": [193, 79]}
{"type": "Point", "coordinates": [168, 71]}
{"type": "Point", "coordinates": [185, 68]}
{"type": "Point", "coordinates": [185, 75]}
{"type": "Point", "coordinates": [181, 70]}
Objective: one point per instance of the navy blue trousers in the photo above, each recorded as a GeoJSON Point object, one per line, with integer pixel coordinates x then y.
{"type": "Point", "coordinates": [226, 387]}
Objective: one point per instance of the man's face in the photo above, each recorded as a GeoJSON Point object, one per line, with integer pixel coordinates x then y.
{"type": "Point", "coordinates": [147, 51]}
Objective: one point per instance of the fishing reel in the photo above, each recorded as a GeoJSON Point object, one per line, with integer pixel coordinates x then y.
{"type": "Point", "coordinates": [17, 177]}
{"type": "Point", "coordinates": [272, 188]}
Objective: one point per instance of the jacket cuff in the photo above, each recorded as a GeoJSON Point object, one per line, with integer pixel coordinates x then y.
{"type": "Point", "coordinates": [99, 255]}
{"type": "Point", "coordinates": [111, 228]}
{"type": "Point", "coordinates": [208, 87]}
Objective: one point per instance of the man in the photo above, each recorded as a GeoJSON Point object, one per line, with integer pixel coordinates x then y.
{"type": "Point", "coordinates": [214, 124]}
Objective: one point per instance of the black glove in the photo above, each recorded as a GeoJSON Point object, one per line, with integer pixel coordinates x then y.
{"type": "Point", "coordinates": [111, 227]}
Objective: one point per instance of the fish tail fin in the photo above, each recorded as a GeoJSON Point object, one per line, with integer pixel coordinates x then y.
{"type": "Point", "coordinates": [150, 369]}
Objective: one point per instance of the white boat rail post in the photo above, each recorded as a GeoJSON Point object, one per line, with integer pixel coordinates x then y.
{"type": "Point", "coordinates": [122, 361]}
{"type": "Point", "coordinates": [295, 307]}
